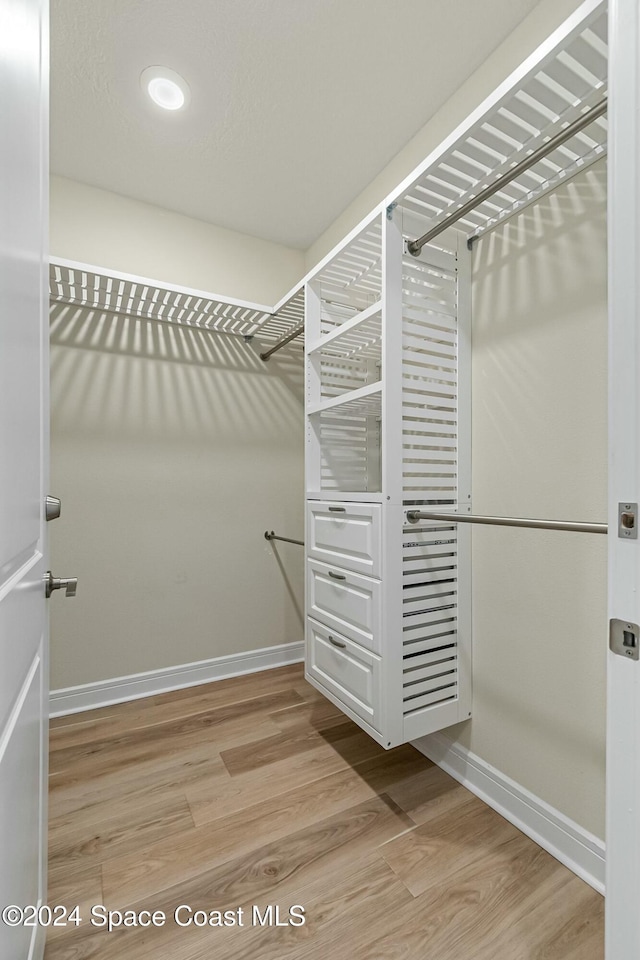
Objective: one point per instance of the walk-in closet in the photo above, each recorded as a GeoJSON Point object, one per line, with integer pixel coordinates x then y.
{"type": "Point", "coordinates": [337, 477]}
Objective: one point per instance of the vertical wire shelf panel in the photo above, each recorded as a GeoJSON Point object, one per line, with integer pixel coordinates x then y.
{"type": "Point", "coordinates": [429, 615]}
{"type": "Point", "coordinates": [429, 379]}
{"type": "Point", "coordinates": [349, 434]}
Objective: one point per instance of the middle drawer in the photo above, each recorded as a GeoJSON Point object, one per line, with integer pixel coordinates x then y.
{"type": "Point", "coordinates": [346, 601]}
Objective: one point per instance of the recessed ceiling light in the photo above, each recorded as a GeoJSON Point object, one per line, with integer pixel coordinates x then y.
{"type": "Point", "coordinates": [165, 87]}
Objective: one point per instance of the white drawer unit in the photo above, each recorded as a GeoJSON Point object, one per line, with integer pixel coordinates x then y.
{"type": "Point", "coordinates": [344, 669]}
{"type": "Point", "coordinates": [387, 433]}
{"type": "Point", "coordinates": [345, 601]}
{"type": "Point", "coordinates": [346, 534]}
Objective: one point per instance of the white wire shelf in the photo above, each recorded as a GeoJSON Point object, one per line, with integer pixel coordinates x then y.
{"type": "Point", "coordinates": [101, 290]}
{"type": "Point", "coordinates": [556, 86]}
{"type": "Point", "coordinates": [364, 402]}
{"type": "Point", "coordinates": [359, 336]}
{"type": "Point", "coordinates": [353, 274]}
{"type": "Point", "coordinates": [285, 317]}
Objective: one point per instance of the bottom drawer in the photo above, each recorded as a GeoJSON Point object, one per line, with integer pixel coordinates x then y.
{"type": "Point", "coordinates": [345, 668]}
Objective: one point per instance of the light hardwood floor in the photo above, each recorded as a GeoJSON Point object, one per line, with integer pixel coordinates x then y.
{"type": "Point", "coordinates": [257, 791]}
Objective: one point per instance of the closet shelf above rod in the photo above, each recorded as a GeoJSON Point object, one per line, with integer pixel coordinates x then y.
{"type": "Point", "coordinates": [103, 290]}
{"type": "Point", "coordinates": [573, 526]}
{"type": "Point", "coordinates": [415, 246]}
{"type": "Point", "coordinates": [286, 323]}
{"type": "Point", "coordinates": [270, 535]}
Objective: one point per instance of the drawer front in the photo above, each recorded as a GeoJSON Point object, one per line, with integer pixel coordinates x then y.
{"type": "Point", "coordinates": [345, 601]}
{"type": "Point", "coordinates": [347, 534]}
{"type": "Point", "coordinates": [347, 670]}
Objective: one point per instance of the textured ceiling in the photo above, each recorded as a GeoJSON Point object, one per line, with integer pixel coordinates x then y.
{"type": "Point", "coordinates": [296, 104]}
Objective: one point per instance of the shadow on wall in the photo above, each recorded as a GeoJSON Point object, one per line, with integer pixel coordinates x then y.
{"type": "Point", "coordinates": [539, 331]}
{"type": "Point", "coordinates": [288, 365]}
{"type": "Point", "coordinates": [185, 388]}
{"type": "Point", "coordinates": [539, 449]}
{"type": "Point", "coordinates": [523, 263]}
{"type": "Point", "coordinates": [295, 598]}
{"type": "Point", "coordinates": [173, 448]}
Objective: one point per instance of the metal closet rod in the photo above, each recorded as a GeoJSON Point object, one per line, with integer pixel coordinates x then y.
{"type": "Point", "coordinates": [282, 343]}
{"type": "Point", "coordinates": [297, 332]}
{"type": "Point", "coordinates": [571, 525]}
{"type": "Point", "coordinates": [270, 535]}
{"type": "Point", "coordinates": [415, 246]}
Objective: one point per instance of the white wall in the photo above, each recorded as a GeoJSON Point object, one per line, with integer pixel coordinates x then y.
{"type": "Point", "coordinates": [540, 450]}
{"type": "Point", "coordinates": [534, 30]}
{"type": "Point", "coordinates": [106, 229]}
{"type": "Point", "coordinates": [172, 450]}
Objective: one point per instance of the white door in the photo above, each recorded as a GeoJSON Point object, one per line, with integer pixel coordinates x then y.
{"type": "Point", "coordinates": [23, 457]}
{"type": "Point", "coordinates": [623, 694]}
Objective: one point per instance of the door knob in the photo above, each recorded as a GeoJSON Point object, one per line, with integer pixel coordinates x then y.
{"type": "Point", "coordinates": [70, 585]}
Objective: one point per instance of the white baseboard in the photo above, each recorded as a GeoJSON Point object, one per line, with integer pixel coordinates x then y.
{"type": "Point", "coordinates": [576, 848]}
{"type": "Point", "coordinates": [88, 696]}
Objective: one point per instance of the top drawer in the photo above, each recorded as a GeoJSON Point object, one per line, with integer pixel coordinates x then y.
{"type": "Point", "coordinates": [345, 535]}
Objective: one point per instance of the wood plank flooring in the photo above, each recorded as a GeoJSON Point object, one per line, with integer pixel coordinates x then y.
{"type": "Point", "coordinates": [256, 791]}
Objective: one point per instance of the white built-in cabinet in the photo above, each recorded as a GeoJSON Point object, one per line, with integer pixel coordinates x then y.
{"type": "Point", "coordinates": [387, 354]}
{"type": "Point", "coordinates": [387, 429]}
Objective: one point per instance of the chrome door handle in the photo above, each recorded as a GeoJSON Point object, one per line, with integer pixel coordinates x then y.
{"type": "Point", "coordinates": [69, 585]}
{"type": "Point", "coordinates": [51, 508]}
